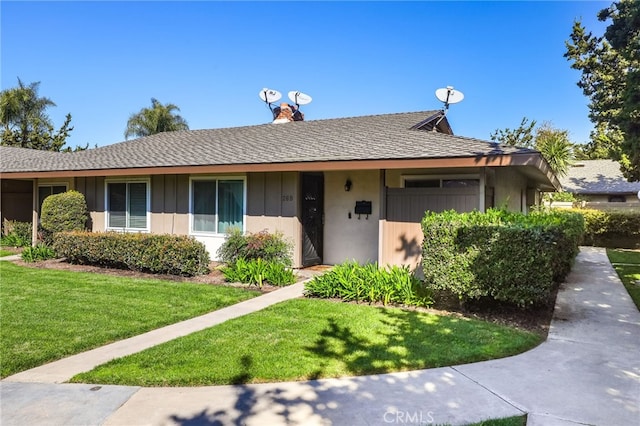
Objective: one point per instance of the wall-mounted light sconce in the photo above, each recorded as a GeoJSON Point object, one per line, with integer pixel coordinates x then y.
{"type": "Point", "coordinates": [347, 185]}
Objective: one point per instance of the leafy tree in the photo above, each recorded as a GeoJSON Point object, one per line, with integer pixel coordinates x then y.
{"type": "Point", "coordinates": [610, 67]}
{"type": "Point", "coordinates": [157, 119]}
{"type": "Point", "coordinates": [553, 144]}
{"type": "Point", "coordinates": [605, 144]}
{"type": "Point", "coordinates": [520, 136]}
{"type": "Point", "coordinates": [25, 122]}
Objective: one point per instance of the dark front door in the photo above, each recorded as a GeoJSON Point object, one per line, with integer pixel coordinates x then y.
{"type": "Point", "coordinates": [312, 218]}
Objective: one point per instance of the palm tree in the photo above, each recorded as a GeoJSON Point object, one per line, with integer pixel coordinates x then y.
{"type": "Point", "coordinates": [21, 108]}
{"type": "Point", "coordinates": [157, 119]}
{"type": "Point", "coordinates": [555, 147]}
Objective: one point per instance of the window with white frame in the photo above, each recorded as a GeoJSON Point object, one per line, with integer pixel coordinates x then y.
{"type": "Point", "coordinates": [217, 205]}
{"type": "Point", "coordinates": [127, 205]}
{"type": "Point", "coordinates": [49, 189]}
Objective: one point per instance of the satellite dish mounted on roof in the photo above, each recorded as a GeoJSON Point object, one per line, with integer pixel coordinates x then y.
{"type": "Point", "coordinates": [299, 98]}
{"type": "Point", "coordinates": [448, 96]}
{"type": "Point", "coordinates": [270, 96]}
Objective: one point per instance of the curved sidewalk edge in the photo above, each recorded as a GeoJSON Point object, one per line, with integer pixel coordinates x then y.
{"type": "Point", "coordinates": [587, 372]}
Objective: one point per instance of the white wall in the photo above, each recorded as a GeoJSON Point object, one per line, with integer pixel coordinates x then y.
{"type": "Point", "coordinates": [351, 238]}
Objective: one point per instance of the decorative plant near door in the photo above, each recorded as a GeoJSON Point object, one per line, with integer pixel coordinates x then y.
{"type": "Point", "coordinates": [257, 258]}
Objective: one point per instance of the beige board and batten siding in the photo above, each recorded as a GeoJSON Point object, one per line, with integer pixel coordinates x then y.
{"type": "Point", "coordinates": [402, 231]}
{"type": "Point", "coordinates": [402, 234]}
{"type": "Point", "coordinates": [93, 190]}
{"type": "Point", "coordinates": [356, 237]}
{"type": "Point", "coordinates": [170, 204]}
{"type": "Point", "coordinates": [510, 190]}
{"type": "Point", "coordinates": [273, 205]}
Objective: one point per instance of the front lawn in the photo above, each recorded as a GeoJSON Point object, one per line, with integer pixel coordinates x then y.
{"type": "Point", "coordinates": [309, 339]}
{"type": "Point", "coordinates": [48, 314]}
{"type": "Point", "coordinates": [627, 265]}
{"type": "Point", "coordinates": [4, 253]}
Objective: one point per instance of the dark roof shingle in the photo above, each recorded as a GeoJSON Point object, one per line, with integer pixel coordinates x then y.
{"type": "Point", "coordinates": [375, 137]}
{"type": "Point", "coordinates": [597, 177]}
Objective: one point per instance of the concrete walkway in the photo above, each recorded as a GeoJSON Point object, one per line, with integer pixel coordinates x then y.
{"type": "Point", "coordinates": [587, 372]}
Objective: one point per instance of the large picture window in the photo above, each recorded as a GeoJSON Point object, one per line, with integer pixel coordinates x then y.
{"type": "Point", "coordinates": [217, 205]}
{"type": "Point", "coordinates": [127, 205]}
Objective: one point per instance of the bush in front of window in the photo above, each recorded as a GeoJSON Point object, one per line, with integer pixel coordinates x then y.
{"type": "Point", "coordinates": [66, 211]}
{"type": "Point", "coordinates": [261, 245]}
{"type": "Point", "coordinates": [158, 254]}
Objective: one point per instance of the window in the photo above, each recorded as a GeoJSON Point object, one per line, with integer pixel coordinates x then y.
{"type": "Point", "coordinates": [460, 181]}
{"type": "Point", "coordinates": [217, 205]}
{"type": "Point", "coordinates": [422, 183]}
{"type": "Point", "coordinates": [127, 205]}
{"type": "Point", "coordinates": [45, 190]}
{"type": "Point", "coordinates": [617, 199]}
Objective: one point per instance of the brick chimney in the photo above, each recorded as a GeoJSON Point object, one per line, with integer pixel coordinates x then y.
{"type": "Point", "coordinates": [286, 113]}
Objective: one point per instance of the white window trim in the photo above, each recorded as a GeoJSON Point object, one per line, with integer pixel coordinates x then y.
{"type": "Point", "coordinates": [243, 178]}
{"type": "Point", "coordinates": [107, 213]}
{"type": "Point", "coordinates": [440, 177]}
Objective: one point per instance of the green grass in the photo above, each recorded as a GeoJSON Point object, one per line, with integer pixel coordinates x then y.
{"type": "Point", "coordinates": [309, 339]}
{"type": "Point", "coordinates": [627, 265]}
{"type": "Point", "coordinates": [507, 421]}
{"type": "Point", "coordinates": [46, 314]}
{"type": "Point", "coordinates": [4, 253]}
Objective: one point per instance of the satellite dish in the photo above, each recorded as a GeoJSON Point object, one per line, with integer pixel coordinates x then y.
{"type": "Point", "coordinates": [299, 98]}
{"type": "Point", "coordinates": [449, 96]}
{"type": "Point", "coordinates": [269, 95]}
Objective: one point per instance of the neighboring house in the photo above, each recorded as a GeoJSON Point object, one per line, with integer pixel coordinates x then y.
{"type": "Point", "coordinates": [599, 184]}
{"type": "Point", "coordinates": [338, 189]}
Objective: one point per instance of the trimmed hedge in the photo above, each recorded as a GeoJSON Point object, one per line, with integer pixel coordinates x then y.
{"type": "Point", "coordinates": [510, 257]}
{"type": "Point", "coordinates": [159, 254]}
{"type": "Point", "coordinates": [613, 229]}
{"type": "Point", "coordinates": [66, 211]}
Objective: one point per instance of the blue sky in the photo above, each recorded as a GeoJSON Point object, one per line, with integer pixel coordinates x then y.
{"type": "Point", "coordinates": [102, 61]}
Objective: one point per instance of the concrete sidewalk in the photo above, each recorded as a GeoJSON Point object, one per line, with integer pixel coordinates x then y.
{"type": "Point", "coordinates": [587, 372]}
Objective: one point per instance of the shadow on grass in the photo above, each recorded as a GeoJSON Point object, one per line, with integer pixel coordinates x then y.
{"type": "Point", "coordinates": [364, 399]}
{"type": "Point", "coordinates": [402, 350]}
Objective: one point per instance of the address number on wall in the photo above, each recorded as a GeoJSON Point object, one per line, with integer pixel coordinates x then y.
{"type": "Point", "coordinates": [287, 198]}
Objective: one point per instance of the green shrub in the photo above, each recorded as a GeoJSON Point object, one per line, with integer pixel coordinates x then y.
{"type": "Point", "coordinates": [66, 211]}
{"type": "Point", "coordinates": [38, 253]}
{"type": "Point", "coordinates": [613, 229]}
{"type": "Point", "coordinates": [351, 281]}
{"type": "Point", "coordinates": [261, 245]}
{"type": "Point", "coordinates": [507, 256]}
{"type": "Point", "coordinates": [159, 254]}
{"type": "Point", "coordinates": [16, 234]}
{"type": "Point", "coordinates": [258, 272]}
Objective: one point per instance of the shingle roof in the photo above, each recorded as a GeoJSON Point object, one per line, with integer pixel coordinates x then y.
{"type": "Point", "coordinates": [375, 137]}
{"type": "Point", "coordinates": [597, 177]}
